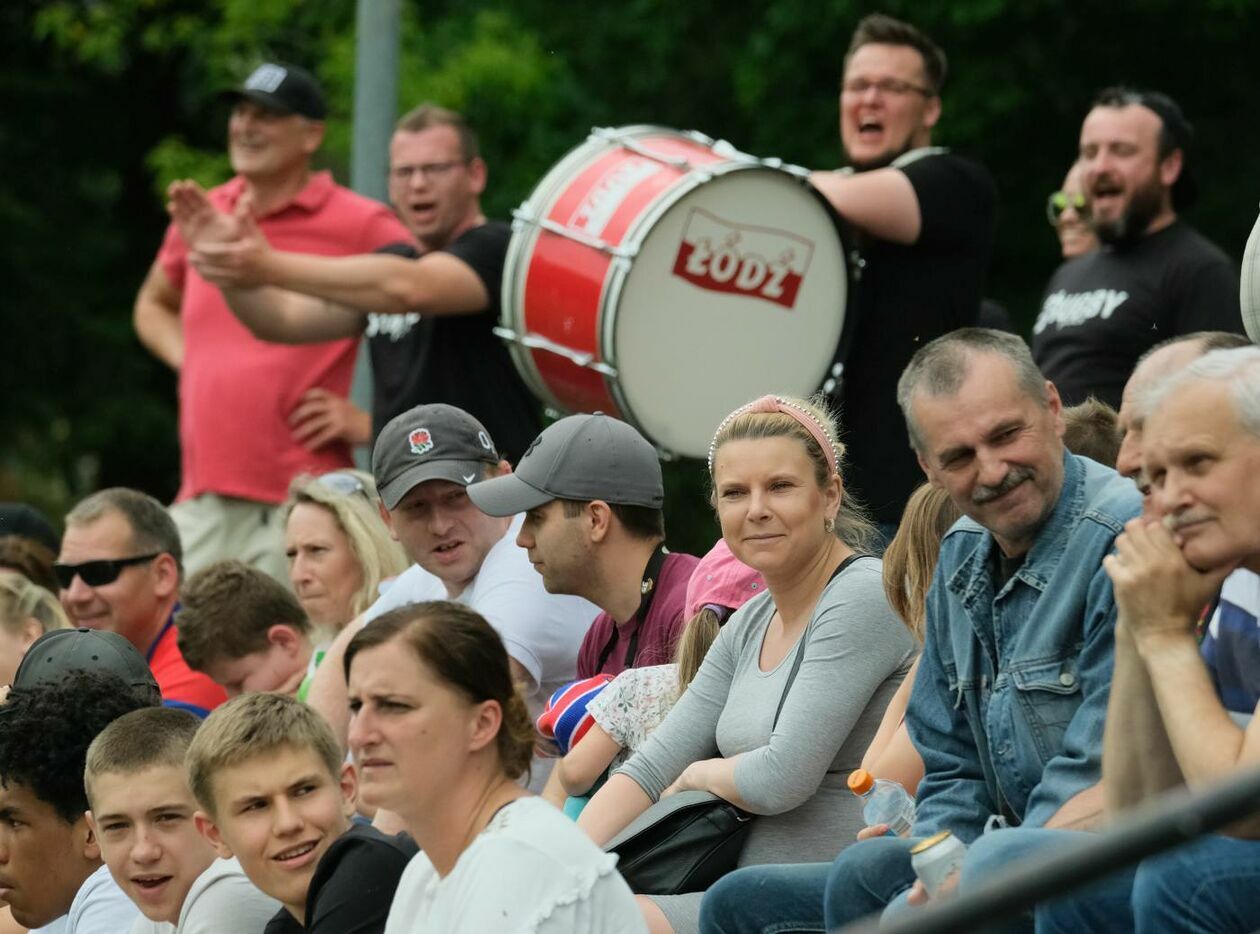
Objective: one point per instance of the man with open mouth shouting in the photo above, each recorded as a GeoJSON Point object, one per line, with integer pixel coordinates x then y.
{"type": "Point", "coordinates": [1155, 277]}
{"type": "Point", "coordinates": [919, 226]}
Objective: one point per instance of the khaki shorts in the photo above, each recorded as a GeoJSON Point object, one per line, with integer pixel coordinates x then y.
{"type": "Point", "coordinates": [213, 528]}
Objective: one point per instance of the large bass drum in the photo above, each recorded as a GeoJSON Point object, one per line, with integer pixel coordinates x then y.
{"type": "Point", "coordinates": [664, 278]}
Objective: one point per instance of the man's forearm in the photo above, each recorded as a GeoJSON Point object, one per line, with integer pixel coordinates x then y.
{"type": "Point", "coordinates": [1208, 744]}
{"type": "Point", "coordinates": [881, 202]}
{"type": "Point", "coordinates": [1082, 811]}
{"type": "Point", "coordinates": [371, 282]}
{"type": "Point", "coordinates": [163, 336]}
{"type": "Point", "coordinates": [1138, 758]}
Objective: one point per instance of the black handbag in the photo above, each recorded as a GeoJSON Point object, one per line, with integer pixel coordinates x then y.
{"type": "Point", "coordinates": [690, 840]}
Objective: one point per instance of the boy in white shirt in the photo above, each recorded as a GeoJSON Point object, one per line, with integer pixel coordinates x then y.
{"type": "Point", "coordinates": [142, 815]}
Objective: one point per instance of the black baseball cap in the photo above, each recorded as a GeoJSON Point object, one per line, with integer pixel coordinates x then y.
{"type": "Point", "coordinates": [286, 89]}
{"type": "Point", "coordinates": [28, 522]}
{"type": "Point", "coordinates": [429, 442]}
{"type": "Point", "coordinates": [581, 457]}
{"type": "Point", "coordinates": [57, 653]}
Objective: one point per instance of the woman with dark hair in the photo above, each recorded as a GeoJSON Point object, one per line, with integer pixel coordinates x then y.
{"type": "Point", "coordinates": [791, 692]}
{"type": "Point", "coordinates": [441, 736]}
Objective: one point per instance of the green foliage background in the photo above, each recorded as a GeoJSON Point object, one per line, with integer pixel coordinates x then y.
{"type": "Point", "coordinates": [108, 100]}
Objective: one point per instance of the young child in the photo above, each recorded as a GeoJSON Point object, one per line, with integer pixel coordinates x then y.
{"type": "Point", "coordinates": [142, 815]}
{"type": "Point", "coordinates": [245, 630]}
{"type": "Point", "coordinates": [275, 794]}
{"type": "Point", "coordinates": [51, 873]}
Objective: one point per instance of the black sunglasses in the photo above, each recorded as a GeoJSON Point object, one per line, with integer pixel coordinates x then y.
{"type": "Point", "coordinates": [97, 573]}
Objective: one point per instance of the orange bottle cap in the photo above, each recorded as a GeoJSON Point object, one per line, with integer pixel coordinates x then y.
{"type": "Point", "coordinates": [861, 781]}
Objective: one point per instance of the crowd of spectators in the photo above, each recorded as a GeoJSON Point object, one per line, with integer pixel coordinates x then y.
{"type": "Point", "coordinates": [438, 695]}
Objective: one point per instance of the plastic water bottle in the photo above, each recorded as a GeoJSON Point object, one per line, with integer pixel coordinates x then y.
{"type": "Point", "coordinates": [886, 802]}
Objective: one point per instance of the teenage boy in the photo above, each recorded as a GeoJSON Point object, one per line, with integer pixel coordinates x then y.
{"type": "Point", "coordinates": [51, 873]}
{"type": "Point", "coordinates": [275, 793]}
{"type": "Point", "coordinates": [245, 630]}
{"type": "Point", "coordinates": [143, 819]}
{"type": "Point", "coordinates": [142, 816]}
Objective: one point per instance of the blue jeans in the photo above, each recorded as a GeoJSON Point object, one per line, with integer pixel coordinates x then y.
{"type": "Point", "coordinates": [766, 900]}
{"type": "Point", "coordinates": [861, 881]}
{"type": "Point", "coordinates": [1205, 887]}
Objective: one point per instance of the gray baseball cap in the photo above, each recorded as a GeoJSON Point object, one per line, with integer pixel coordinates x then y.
{"type": "Point", "coordinates": [582, 457]}
{"type": "Point", "coordinates": [429, 442]}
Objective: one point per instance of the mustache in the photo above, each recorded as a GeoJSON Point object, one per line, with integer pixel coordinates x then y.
{"type": "Point", "coordinates": [1014, 477]}
{"type": "Point", "coordinates": [1174, 522]}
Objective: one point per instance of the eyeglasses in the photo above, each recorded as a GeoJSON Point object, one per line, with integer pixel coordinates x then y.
{"type": "Point", "coordinates": [885, 86]}
{"type": "Point", "coordinates": [1060, 201]}
{"type": "Point", "coordinates": [429, 171]}
{"type": "Point", "coordinates": [97, 573]}
{"type": "Point", "coordinates": [343, 482]}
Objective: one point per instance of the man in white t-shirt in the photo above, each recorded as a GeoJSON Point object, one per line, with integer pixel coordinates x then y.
{"type": "Point", "coordinates": [423, 461]}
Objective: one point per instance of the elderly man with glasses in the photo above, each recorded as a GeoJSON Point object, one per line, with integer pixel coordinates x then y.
{"type": "Point", "coordinates": [919, 225]}
{"type": "Point", "coordinates": [1154, 277]}
{"type": "Point", "coordinates": [119, 571]}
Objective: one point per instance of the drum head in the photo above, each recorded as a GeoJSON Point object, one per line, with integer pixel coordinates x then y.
{"type": "Point", "coordinates": [738, 290]}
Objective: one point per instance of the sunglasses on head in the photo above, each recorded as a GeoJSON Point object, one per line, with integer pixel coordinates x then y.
{"type": "Point", "coordinates": [1060, 201]}
{"type": "Point", "coordinates": [343, 482]}
{"type": "Point", "coordinates": [97, 573]}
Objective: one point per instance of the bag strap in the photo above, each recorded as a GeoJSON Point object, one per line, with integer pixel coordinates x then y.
{"type": "Point", "coordinates": [648, 588]}
{"type": "Point", "coordinates": [800, 647]}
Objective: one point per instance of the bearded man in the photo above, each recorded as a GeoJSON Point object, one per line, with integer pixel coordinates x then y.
{"type": "Point", "coordinates": [1154, 277]}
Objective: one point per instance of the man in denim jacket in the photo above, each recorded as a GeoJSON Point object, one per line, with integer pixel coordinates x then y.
{"type": "Point", "coordinates": [1010, 697]}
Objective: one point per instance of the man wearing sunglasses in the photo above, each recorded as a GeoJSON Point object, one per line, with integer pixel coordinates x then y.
{"type": "Point", "coordinates": [919, 226]}
{"type": "Point", "coordinates": [119, 571]}
{"type": "Point", "coordinates": [1154, 277]}
{"type": "Point", "coordinates": [429, 321]}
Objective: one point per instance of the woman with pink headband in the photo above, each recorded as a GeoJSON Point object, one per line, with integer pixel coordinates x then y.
{"type": "Point", "coordinates": [821, 642]}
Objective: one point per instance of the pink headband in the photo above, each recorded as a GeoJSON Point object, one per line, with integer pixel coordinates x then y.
{"type": "Point", "coordinates": [771, 404]}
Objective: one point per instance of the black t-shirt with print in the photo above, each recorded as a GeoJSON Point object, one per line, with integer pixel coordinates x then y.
{"type": "Point", "coordinates": [1103, 310]}
{"type": "Point", "coordinates": [353, 885]}
{"type": "Point", "coordinates": [455, 359]}
{"type": "Point", "coordinates": [903, 296]}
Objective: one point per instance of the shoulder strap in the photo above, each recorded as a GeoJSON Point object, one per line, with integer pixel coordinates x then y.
{"type": "Point", "coordinates": [800, 646]}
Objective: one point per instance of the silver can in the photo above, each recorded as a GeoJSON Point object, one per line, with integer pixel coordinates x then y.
{"type": "Point", "coordinates": [936, 859]}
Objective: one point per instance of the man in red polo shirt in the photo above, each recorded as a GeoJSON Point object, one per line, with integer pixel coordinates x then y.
{"type": "Point", "coordinates": [119, 571]}
{"type": "Point", "coordinates": [254, 414]}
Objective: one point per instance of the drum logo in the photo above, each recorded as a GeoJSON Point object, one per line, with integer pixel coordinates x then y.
{"type": "Point", "coordinates": [607, 194]}
{"type": "Point", "coordinates": [760, 262]}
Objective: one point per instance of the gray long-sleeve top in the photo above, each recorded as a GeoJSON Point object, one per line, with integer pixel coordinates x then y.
{"type": "Point", "coordinates": [856, 653]}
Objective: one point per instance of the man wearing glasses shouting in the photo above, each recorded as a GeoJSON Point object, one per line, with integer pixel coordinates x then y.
{"type": "Point", "coordinates": [428, 316]}
{"type": "Point", "coordinates": [1154, 277]}
{"type": "Point", "coordinates": [919, 227]}
{"type": "Point", "coordinates": [119, 571]}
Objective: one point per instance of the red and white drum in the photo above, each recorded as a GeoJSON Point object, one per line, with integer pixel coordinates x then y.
{"type": "Point", "coordinates": [666, 279]}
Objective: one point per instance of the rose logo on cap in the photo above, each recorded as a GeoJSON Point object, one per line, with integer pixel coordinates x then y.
{"type": "Point", "coordinates": [421, 441]}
